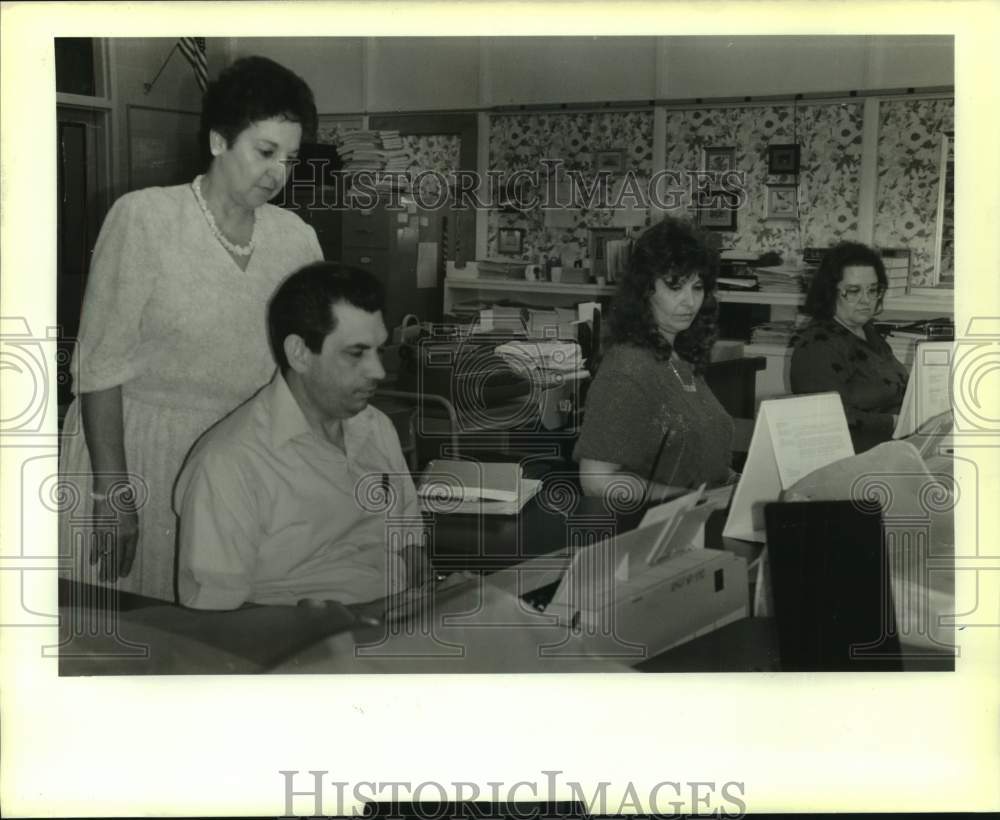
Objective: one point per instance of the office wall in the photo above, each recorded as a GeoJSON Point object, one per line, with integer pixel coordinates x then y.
{"type": "Point", "coordinates": [387, 74]}
{"type": "Point", "coordinates": [521, 141]}
{"type": "Point", "coordinates": [135, 61]}
{"type": "Point", "coordinates": [524, 70]}
{"type": "Point", "coordinates": [828, 185]}
{"type": "Point", "coordinates": [333, 66]}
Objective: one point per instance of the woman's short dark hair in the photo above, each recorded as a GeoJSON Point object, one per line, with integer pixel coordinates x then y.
{"type": "Point", "coordinates": [251, 90]}
{"type": "Point", "coordinates": [821, 301]}
{"type": "Point", "coordinates": [675, 251]}
{"type": "Point", "coordinates": [302, 304]}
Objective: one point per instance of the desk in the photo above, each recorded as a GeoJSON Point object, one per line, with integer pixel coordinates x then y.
{"type": "Point", "coordinates": [491, 542]}
{"type": "Point", "coordinates": [109, 633]}
{"type": "Point", "coordinates": [106, 632]}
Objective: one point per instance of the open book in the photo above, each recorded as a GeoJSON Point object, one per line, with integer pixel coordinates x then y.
{"type": "Point", "coordinates": [454, 486]}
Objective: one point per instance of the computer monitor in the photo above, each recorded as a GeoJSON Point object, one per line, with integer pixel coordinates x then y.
{"type": "Point", "coordinates": [829, 577]}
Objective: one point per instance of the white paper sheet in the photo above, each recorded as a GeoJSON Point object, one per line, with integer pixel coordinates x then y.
{"type": "Point", "coordinates": [928, 392]}
{"type": "Point", "coordinates": [792, 437]}
{"type": "Point", "coordinates": [427, 264]}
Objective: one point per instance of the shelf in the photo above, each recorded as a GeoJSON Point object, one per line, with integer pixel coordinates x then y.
{"type": "Point", "coordinates": [758, 297]}
{"type": "Point", "coordinates": [933, 304]}
{"type": "Point", "coordinates": [524, 286]}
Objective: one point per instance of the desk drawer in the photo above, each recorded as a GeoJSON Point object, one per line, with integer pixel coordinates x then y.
{"type": "Point", "coordinates": [369, 230]}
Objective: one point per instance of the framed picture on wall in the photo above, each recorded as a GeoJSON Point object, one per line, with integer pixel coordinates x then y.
{"type": "Point", "coordinates": [783, 159]}
{"type": "Point", "coordinates": [721, 217]}
{"type": "Point", "coordinates": [719, 160]}
{"type": "Point", "coordinates": [510, 241]}
{"type": "Point", "coordinates": [612, 161]}
{"type": "Point", "coordinates": [782, 202]}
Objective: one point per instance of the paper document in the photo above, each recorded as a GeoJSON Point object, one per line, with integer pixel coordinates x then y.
{"type": "Point", "coordinates": [427, 264]}
{"type": "Point", "coordinates": [792, 437]}
{"type": "Point", "coordinates": [928, 392]}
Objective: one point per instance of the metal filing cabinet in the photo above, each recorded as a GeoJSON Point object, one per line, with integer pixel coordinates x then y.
{"type": "Point", "coordinates": [386, 241]}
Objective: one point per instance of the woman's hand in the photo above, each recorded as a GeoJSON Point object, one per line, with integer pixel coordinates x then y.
{"type": "Point", "coordinates": [116, 531]}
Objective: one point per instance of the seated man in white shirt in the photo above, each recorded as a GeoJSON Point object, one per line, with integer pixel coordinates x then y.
{"type": "Point", "coordinates": [302, 493]}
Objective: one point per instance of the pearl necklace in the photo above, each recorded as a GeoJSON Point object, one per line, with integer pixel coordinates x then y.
{"type": "Point", "coordinates": [238, 250]}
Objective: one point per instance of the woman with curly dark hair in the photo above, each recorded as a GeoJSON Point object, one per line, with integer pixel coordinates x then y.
{"type": "Point", "coordinates": [652, 427]}
{"type": "Point", "coordinates": [841, 351]}
{"type": "Point", "coordinates": [173, 331]}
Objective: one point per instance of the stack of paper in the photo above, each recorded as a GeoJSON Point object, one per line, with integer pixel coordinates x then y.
{"type": "Point", "coordinates": [784, 278]}
{"type": "Point", "coordinates": [773, 333]}
{"type": "Point", "coordinates": [928, 391]}
{"type": "Point", "coordinates": [737, 282]}
{"type": "Point", "coordinates": [502, 317]}
{"type": "Point", "coordinates": [897, 271]}
{"type": "Point", "coordinates": [452, 486]}
{"type": "Point", "coordinates": [501, 268]}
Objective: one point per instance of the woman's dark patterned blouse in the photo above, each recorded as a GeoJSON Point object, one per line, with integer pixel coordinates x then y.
{"type": "Point", "coordinates": [869, 378]}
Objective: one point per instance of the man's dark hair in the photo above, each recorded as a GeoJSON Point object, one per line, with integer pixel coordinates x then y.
{"type": "Point", "coordinates": [303, 304]}
{"type": "Point", "coordinates": [251, 90]}
{"type": "Point", "coordinates": [674, 251]}
{"type": "Point", "coordinates": [821, 301]}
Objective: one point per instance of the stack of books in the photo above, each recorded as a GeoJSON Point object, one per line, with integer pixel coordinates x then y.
{"type": "Point", "coordinates": [397, 157]}
{"type": "Point", "coordinates": [374, 151]}
{"type": "Point", "coordinates": [897, 271]}
{"type": "Point", "coordinates": [784, 278]}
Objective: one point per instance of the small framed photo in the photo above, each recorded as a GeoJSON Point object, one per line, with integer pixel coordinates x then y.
{"type": "Point", "coordinates": [722, 217]}
{"type": "Point", "coordinates": [720, 160]}
{"type": "Point", "coordinates": [783, 159]}
{"type": "Point", "coordinates": [782, 202]}
{"type": "Point", "coordinates": [613, 161]}
{"type": "Point", "coordinates": [510, 241]}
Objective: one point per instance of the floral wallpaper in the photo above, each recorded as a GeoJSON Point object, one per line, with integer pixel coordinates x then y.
{"type": "Point", "coordinates": [828, 181]}
{"type": "Point", "coordinates": [521, 141]}
{"type": "Point", "coordinates": [432, 153]}
{"type": "Point", "coordinates": [909, 155]}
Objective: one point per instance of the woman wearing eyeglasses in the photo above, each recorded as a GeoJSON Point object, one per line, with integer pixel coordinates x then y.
{"type": "Point", "coordinates": [841, 350]}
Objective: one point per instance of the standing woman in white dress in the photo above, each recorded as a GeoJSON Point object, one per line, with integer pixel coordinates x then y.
{"type": "Point", "coordinates": [173, 332]}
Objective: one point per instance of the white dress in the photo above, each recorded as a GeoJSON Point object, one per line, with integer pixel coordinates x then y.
{"type": "Point", "coordinates": [171, 318]}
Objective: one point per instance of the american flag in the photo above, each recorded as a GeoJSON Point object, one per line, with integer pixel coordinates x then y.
{"type": "Point", "coordinates": [193, 48]}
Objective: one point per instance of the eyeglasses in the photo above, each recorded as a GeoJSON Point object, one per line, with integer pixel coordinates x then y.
{"type": "Point", "coordinates": [873, 293]}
